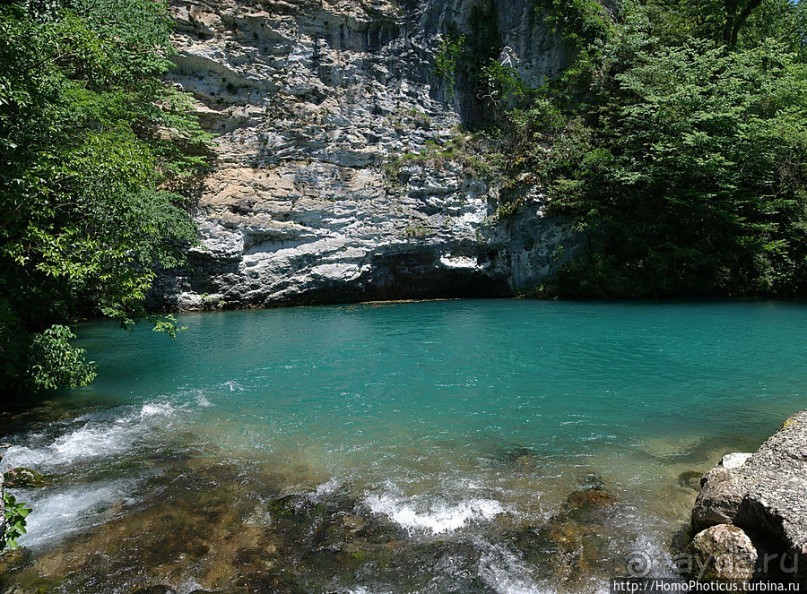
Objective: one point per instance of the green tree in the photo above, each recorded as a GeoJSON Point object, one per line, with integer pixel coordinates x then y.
{"type": "Point", "coordinates": [683, 162]}
{"type": "Point", "coordinates": [734, 23]}
{"type": "Point", "coordinates": [93, 149]}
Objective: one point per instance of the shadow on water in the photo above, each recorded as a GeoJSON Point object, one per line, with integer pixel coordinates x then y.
{"type": "Point", "coordinates": [22, 411]}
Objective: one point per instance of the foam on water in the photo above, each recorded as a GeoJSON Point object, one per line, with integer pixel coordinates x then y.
{"type": "Point", "coordinates": [98, 436]}
{"type": "Point", "coordinates": [156, 409]}
{"type": "Point", "coordinates": [432, 516]}
{"type": "Point", "coordinates": [323, 490]}
{"type": "Point", "coordinates": [650, 557]}
{"type": "Point", "coordinates": [61, 512]}
{"type": "Point", "coordinates": [504, 572]}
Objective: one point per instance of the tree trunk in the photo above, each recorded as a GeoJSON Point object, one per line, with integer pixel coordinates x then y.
{"type": "Point", "coordinates": [731, 7]}
{"type": "Point", "coordinates": [735, 21]}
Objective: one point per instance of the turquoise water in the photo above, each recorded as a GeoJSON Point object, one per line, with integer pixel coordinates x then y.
{"type": "Point", "coordinates": [448, 420]}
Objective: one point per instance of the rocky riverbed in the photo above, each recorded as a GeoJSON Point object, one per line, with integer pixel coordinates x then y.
{"type": "Point", "coordinates": [212, 527]}
{"type": "Point", "coordinates": [208, 527]}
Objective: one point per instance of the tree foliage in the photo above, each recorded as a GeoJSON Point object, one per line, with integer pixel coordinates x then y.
{"type": "Point", "coordinates": [732, 23]}
{"type": "Point", "coordinates": [94, 150]}
{"type": "Point", "coordinates": [445, 65]}
{"type": "Point", "coordinates": [680, 151]}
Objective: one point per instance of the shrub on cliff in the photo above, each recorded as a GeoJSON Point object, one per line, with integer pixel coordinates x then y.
{"type": "Point", "coordinates": [93, 148]}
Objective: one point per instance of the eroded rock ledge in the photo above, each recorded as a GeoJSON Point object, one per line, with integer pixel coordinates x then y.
{"type": "Point", "coordinates": [763, 495]}
{"type": "Point", "coordinates": [337, 177]}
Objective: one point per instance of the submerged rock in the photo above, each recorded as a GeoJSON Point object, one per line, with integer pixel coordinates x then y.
{"type": "Point", "coordinates": [587, 505]}
{"type": "Point", "coordinates": [519, 458]}
{"type": "Point", "coordinates": [690, 479]}
{"type": "Point", "coordinates": [575, 541]}
{"type": "Point", "coordinates": [22, 478]}
{"type": "Point", "coordinates": [14, 559]}
{"type": "Point", "coordinates": [722, 552]}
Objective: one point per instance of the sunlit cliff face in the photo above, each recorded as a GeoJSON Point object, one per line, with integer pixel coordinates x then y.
{"type": "Point", "coordinates": [344, 167]}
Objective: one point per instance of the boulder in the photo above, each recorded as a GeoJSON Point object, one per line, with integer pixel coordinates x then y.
{"type": "Point", "coordinates": [764, 494]}
{"type": "Point", "coordinates": [722, 492]}
{"type": "Point", "coordinates": [722, 552]}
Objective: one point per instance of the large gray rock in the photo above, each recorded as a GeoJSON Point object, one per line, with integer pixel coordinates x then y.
{"type": "Point", "coordinates": [722, 552]}
{"type": "Point", "coordinates": [722, 492]}
{"type": "Point", "coordinates": [776, 479]}
{"type": "Point", "coordinates": [764, 493]}
{"type": "Point", "coordinates": [337, 170]}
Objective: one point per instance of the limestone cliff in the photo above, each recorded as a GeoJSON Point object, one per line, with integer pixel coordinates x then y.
{"type": "Point", "coordinates": [332, 179]}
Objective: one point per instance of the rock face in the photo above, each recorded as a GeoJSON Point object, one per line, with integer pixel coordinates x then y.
{"type": "Point", "coordinates": [764, 494]}
{"type": "Point", "coordinates": [337, 171]}
{"type": "Point", "coordinates": [2, 513]}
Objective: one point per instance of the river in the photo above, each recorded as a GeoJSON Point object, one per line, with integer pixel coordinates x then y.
{"type": "Point", "coordinates": [451, 446]}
